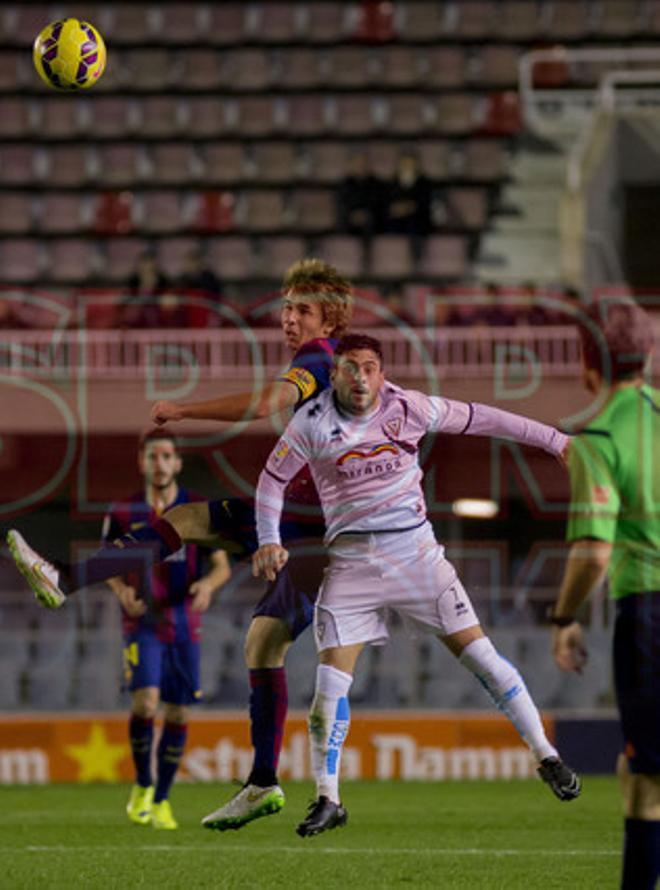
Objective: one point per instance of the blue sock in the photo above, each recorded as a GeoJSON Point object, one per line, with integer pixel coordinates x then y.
{"type": "Point", "coordinates": [141, 734]}
{"type": "Point", "coordinates": [641, 855]}
{"type": "Point", "coordinates": [170, 751]}
{"type": "Point", "coordinates": [134, 552]}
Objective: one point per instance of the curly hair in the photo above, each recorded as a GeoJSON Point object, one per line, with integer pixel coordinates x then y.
{"type": "Point", "coordinates": [320, 280]}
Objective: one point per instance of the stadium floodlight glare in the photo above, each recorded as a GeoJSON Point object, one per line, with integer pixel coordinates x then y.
{"type": "Point", "coordinates": [475, 508]}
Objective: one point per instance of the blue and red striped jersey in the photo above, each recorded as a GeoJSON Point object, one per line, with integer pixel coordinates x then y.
{"type": "Point", "coordinates": [165, 589]}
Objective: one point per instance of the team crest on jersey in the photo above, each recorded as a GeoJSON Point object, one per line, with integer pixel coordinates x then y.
{"type": "Point", "coordinates": [393, 427]}
{"type": "Point", "coordinates": [282, 450]}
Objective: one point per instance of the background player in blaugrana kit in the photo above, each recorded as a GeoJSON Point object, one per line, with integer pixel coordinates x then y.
{"type": "Point", "coordinates": [316, 309]}
{"type": "Point", "coordinates": [161, 623]}
{"type": "Point", "coordinates": [360, 439]}
{"type": "Point", "coordinates": [614, 527]}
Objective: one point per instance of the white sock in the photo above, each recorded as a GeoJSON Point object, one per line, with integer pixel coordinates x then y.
{"type": "Point", "coordinates": [329, 719]}
{"type": "Point", "coordinates": [507, 689]}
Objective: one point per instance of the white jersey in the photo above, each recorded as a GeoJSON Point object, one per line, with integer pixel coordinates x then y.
{"type": "Point", "coordinates": [366, 468]}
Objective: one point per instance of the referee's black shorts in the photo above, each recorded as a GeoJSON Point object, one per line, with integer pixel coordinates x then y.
{"type": "Point", "coordinates": [637, 678]}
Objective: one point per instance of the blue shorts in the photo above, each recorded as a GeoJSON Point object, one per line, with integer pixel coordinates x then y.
{"type": "Point", "coordinates": [171, 667]}
{"type": "Point", "coordinates": [291, 596]}
{"type": "Point", "coordinates": [637, 678]}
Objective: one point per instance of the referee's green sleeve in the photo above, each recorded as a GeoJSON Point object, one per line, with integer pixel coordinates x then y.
{"type": "Point", "coordinates": [595, 499]}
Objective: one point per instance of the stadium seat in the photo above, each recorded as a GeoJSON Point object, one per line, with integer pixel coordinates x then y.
{"type": "Point", "coordinates": [326, 22]}
{"type": "Point", "coordinates": [159, 212]}
{"type": "Point", "coordinates": [484, 160]}
{"type": "Point", "coordinates": [466, 208]}
{"type": "Point", "coordinates": [344, 252]}
{"type": "Point", "coordinates": [18, 164]}
{"type": "Point", "coordinates": [160, 116]}
{"type": "Point", "coordinates": [446, 683]}
{"type": "Point", "coordinates": [407, 114]}
{"type": "Point", "coordinates": [498, 66]}
{"type": "Point", "coordinates": [299, 68]}
{"type": "Point", "coordinates": [256, 116]}
{"type": "Point", "coordinates": [205, 118]}
{"type": "Point", "coordinates": [445, 66]}
{"type": "Point", "coordinates": [277, 22]}
{"type": "Point", "coordinates": [279, 253]}
{"type": "Point", "coordinates": [519, 20]}
{"type": "Point", "coordinates": [326, 161]}
{"type": "Point", "coordinates": [500, 114]}
{"type": "Point", "coordinates": [231, 258]}
{"type": "Point", "coordinates": [314, 210]}
{"type": "Point", "coordinates": [16, 212]}
{"type": "Point", "coordinates": [127, 22]}
{"type": "Point", "coordinates": [350, 66]}
{"type": "Point", "coordinates": [274, 161]}
{"type": "Point", "coordinates": [121, 255]}
{"type": "Point", "coordinates": [173, 163]}
{"type": "Point", "coordinates": [223, 162]}
{"type": "Point", "coordinates": [211, 211]}
{"type": "Point", "coordinates": [26, 22]}
{"type": "Point", "coordinates": [263, 211]}
{"type": "Point", "coordinates": [383, 157]}
{"type": "Point", "coordinates": [12, 70]}
{"type": "Point", "coordinates": [202, 70]}
{"type": "Point", "coordinates": [475, 20]}
{"type": "Point", "coordinates": [422, 21]}
{"type": "Point", "coordinates": [434, 159]}
{"type": "Point", "coordinates": [120, 164]}
{"type": "Point", "coordinates": [172, 254]}
{"type": "Point", "coordinates": [300, 667]}
{"type": "Point", "coordinates": [181, 23]}
{"type": "Point", "coordinates": [569, 21]}
{"type": "Point", "coordinates": [71, 260]}
{"type": "Point", "coordinates": [67, 165]}
{"type": "Point", "coordinates": [617, 18]}
{"type": "Point", "coordinates": [444, 256]}
{"type": "Point", "coordinates": [16, 116]}
{"type": "Point", "coordinates": [150, 70]}
{"type": "Point", "coordinates": [399, 66]}
{"type": "Point", "coordinates": [113, 213]}
{"type": "Point", "coordinates": [224, 23]}
{"type": "Point", "coordinates": [374, 22]}
{"type": "Point", "coordinates": [21, 260]}
{"type": "Point", "coordinates": [58, 119]}
{"type": "Point", "coordinates": [306, 115]}
{"type": "Point", "coordinates": [61, 213]}
{"type": "Point", "coordinates": [353, 115]}
{"type": "Point", "coordinates": [110, 117]}
{"type": "Point", "coordinates": [247, 69]}
{"type": "Point", "coordinates": [390, 257]}
{"type": "Point", "coordinates": [454, 114]}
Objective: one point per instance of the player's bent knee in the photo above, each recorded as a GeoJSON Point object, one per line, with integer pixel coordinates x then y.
{"type": "Point", "coordinates": [175, 713]}
{"type": "Point", "coordinates": [641, 792]}
{"type": "Point", "coordinates": [144, 703]}
{"type": "Point", "coordinates": [266, 643]}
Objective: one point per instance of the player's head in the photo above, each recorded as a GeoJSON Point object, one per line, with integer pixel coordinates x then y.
{"type": "Point", "coordinates": [316, 302]}
{"type": "Point", "coordinates": [617, 338]}
{"type": "Point", "coordinates": [158, 458]}
{"type": "Point", "coordinates": [357, 373]}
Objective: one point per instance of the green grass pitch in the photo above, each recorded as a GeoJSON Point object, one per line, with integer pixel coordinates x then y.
{"type": "Point", "coordinates": [453, 835]}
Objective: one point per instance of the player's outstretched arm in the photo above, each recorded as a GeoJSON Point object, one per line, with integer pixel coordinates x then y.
{"type": "Point", "coordinates": [274, 397]}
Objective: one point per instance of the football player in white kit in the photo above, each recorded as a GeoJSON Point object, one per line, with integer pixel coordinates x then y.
{"type": "Point", "coordinates": [360, 439]}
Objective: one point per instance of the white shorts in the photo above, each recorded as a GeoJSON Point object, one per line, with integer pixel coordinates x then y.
{"type": "Point", "coordinates": [405, 572]}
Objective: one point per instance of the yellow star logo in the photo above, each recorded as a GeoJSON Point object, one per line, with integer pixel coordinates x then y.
{"type": "Point", "coordinates": [98, 759]}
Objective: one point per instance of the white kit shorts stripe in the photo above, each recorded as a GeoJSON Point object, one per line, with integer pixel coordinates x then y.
{"type": "Point", "coordinates": [371, 574]}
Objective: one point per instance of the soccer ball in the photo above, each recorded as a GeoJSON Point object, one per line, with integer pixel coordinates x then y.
{"type": "Point", "coordinates": [69, 55]}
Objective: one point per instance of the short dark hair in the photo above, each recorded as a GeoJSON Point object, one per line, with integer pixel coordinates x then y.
{"type": "Point", "coordinates": [157, 434]}
{"type": "Point", "coordinates": [359, 341]}
{"type": "Point", "coordinates": [617, 338]}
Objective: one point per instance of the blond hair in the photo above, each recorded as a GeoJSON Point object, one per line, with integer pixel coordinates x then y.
{"type": "Point", "coordinates": [320, 280]}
